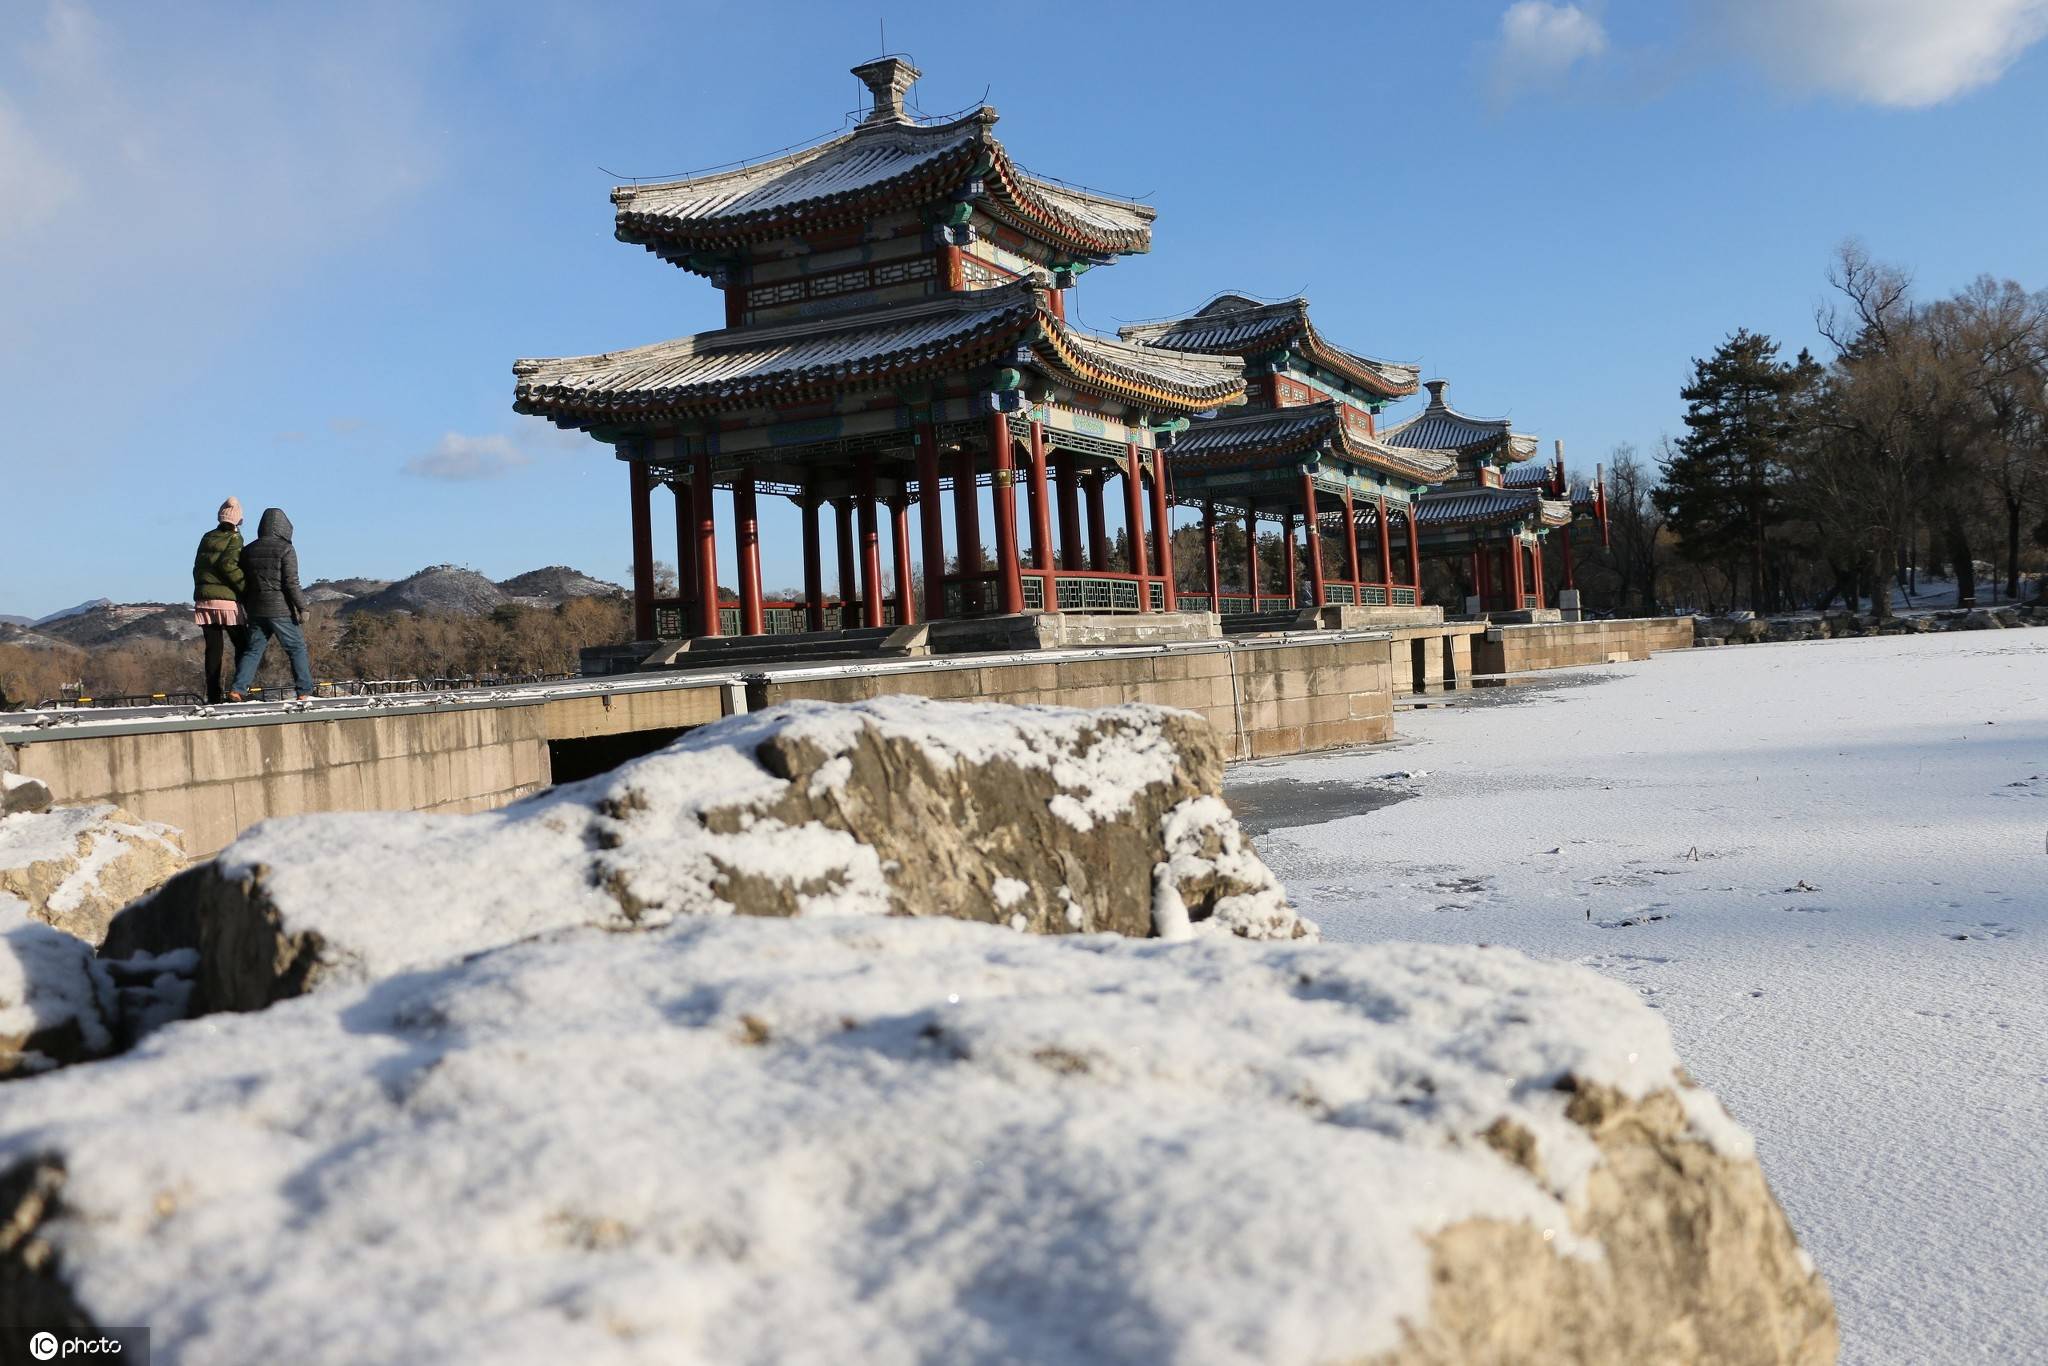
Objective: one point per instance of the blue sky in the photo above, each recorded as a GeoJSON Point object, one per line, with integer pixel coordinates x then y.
{"type": "Point", "coordinates": [290, 252]}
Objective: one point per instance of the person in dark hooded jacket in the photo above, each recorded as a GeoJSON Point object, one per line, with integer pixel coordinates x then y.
{"type": "Point", "coordinates": [270, 574]}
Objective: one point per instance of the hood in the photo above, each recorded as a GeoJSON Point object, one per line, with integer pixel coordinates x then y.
{"type": "Point", "coordinates": [275, 523]}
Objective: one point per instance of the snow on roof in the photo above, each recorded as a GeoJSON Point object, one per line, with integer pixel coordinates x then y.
{"type": "Point", "coordinates": [1232, 324]}
{"type": "Point", "coordinates": [867, 350]}
{"type": "Point", "coordinates": [892, 1140]}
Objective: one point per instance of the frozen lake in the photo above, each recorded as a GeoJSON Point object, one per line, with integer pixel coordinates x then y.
{"type": "Point", "coordinates": [1826, 863]}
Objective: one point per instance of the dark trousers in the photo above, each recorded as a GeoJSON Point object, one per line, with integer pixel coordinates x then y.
{"type": "Point", "coordinates": [218, 638]}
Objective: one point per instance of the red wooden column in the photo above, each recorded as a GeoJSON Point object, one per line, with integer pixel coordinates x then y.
{"type": "Point", "coordinates": [870, 541]}
{"type": "Point", "coordinates": [1414, 551]}
{"type": "Point", "coordinates": [1566, 533]}
{"type": "Point", "coordinates": [643, 550]}
{"type": "Point", "coordinates": [1134, 520]}
{"type": "Point", "coordinates": [931, 522]}
{"type": "Point", "coordinates": [1162, 528]}
{"type": "Point", "coordinates": [814, 565]}
{"type": "Point", "coordinates": [1351, 537]}
{"type": "Point", "coordinates": [849, 588]}
{"type": "Point", "coordinates": [1481, 584]}
{"type": "Point", "coordinates": [1041, 522]}
{"type": "Point", "coordinates": [686, 555]}
{"type": "Point", "coordinates": [899, 542]}
{"type": "Point", "coordinates": [967, 528]}
{"type": "Point", "coordinates": [1098, 523]}
{"type": "Point", "coordinates": [1251, 551]}
{"type": "Point", "coordinates": [702, 507]}
{"type": "Point", "coordinates": [1003, 490]}
{"type": "Point", "coordinates": [1386, 550]}
{"type": "Point", "coordinates": [1289, 572]}
{"type": "Point", "coordinates": [1209, 553]}
{"type": "Point", "coordinates": [1073, 555]}
{"type": "Point", "coordinates": [749, 531]}
{"type": "Point", "coordinates": [1312, 534]}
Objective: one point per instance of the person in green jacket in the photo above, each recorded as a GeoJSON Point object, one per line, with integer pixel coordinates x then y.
{"type": "Point", "coordinates": [217, 594]}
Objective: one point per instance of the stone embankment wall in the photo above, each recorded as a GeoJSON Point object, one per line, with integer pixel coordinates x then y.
{"type": "Point", "coordinates": [215, 777]}
{"type": "Point", "coordinates": [214, 780]}
{"type": "Point", "coordinates": [1514, 649]}
{"type": "Point", "coordinates": [1263, 698]}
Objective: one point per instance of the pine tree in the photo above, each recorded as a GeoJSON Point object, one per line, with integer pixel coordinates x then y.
{"type": "Point", "coordinates": [1722, 489]}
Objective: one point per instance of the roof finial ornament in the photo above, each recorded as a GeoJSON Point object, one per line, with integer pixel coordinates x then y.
{"type": "Point", "coordinates": [888, 79]}
{"type": "Point", "coordinates": [1436, 389]}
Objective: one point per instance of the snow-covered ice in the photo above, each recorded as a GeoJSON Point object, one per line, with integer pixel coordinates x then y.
{"type": "Point", "coordinates": [1827, 865]}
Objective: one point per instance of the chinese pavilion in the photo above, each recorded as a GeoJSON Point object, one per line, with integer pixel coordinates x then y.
{"type": "Point", "coordinates": [1492, 514]}
{"type": "Point", "coordinates": [895, 332]}
{"type": "Point", "coordinates": [1302, 449]}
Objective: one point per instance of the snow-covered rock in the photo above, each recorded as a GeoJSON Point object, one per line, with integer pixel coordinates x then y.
{"type": "Point", "coordinates": [57, 1004]}
{"type": "Point", "coordinates": [75, 866]}
{"type": "Point", "coordinates": [745, 1140]}
{"type": "Point", "coordinates": [21, 794]}
{"type": "Point", "coordinates": [1043, 819]}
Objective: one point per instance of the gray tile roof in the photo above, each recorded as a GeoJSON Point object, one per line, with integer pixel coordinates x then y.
{"type": "Point", "coordinates": [1285, 433]}
{"type": "Point", "coordinates": [1231, 324]}
{"type": "Point", "coordinates": [1217, 374]}
{"type": "Point", "coordinates": [1239, 434]}
{"type": "Point", "coordinates": [738, 366]}
{"type": "Point", "coordinates": [858, 174]}
{"type": "Point", "coordinates": [1482, 507]}
{"type": "Point", "coordinates": [1442, 427]}
{"type": "Point", "coordinates": [739, 363]}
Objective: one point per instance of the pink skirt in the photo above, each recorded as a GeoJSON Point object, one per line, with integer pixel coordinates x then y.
{"type": "Point", "coordinates": [217, 612]}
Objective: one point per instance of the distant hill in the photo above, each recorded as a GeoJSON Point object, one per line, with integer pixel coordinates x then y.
{"type": "Point", "coordinates": [556, 584]}
{"type": "Point", "coordinates": [109, 623]}
{"type": "Point", "coordinates": [27, 639]}
{"type": "Point", "coordinates": [440, 590]}
{"type": "Point", "coordinates": [79, 610]}
{"type": "Point", "coordinates": [341, 590]}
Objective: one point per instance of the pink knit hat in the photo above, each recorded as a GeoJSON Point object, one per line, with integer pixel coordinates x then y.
{"type": "Point", "coordinates": [231, 511]}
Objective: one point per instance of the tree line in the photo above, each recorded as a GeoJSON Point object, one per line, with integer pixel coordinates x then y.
{"type": "Point", "coordinates": [1920, 445]}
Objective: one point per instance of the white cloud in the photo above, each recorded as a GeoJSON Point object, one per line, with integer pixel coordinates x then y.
{"type": "Point", "coordinates": [177, 168]}
{"type": "Point", "coordinates": [1540, 43]}
{"type": "Point", "coordinates": [36, 184]}
{"type": "Point", "coordinates": [459, 457]}
{"type": "Point", "coordinates": [1907, 53]}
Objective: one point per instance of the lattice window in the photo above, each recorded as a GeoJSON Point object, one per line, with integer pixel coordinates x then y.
{"type": "Point", "coordinates": [903, 272]}
{"type": "Point", "coordinates": [979, 274]}
{"type": "Point", "coordinates": [765, 296]}
{"type": "Point", "coordinates": [839, 282]}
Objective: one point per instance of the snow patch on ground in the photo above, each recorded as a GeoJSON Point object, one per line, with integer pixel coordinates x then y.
{"type": "Point", "coordinates": [741, 1140]}
{"type": "Point", "coordinates": [1825, 865]}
